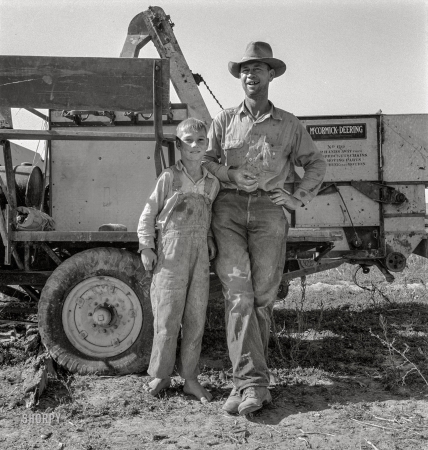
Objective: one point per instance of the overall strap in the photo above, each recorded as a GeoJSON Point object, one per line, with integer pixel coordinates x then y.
{"type": "Point", "coordinates": [176, 180]}
{"type": "Point", "coordinates": [177, 183]}
{"type": "Point", "coordinates": [208, 185]}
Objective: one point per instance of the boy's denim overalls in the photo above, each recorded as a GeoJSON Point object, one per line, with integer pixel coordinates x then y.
{"type": "Point", "coordinates": [180, 285]}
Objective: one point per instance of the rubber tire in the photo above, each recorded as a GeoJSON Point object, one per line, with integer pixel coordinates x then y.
{"type": "Point", "coordinates": [112, 262]}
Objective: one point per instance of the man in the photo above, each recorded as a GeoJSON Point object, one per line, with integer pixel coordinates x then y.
{"type": "Point", "coordinates": [257, 146]}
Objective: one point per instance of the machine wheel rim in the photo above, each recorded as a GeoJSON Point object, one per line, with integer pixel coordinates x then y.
{"type": "Point", "coordinates": [102, 316]}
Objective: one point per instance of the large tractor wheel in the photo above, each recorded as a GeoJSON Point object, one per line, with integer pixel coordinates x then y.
{"type": "Point", "coordinates": [95, 314]}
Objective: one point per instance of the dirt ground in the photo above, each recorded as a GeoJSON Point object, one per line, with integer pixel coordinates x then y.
{"type": "Point", "coordinates": [349, 371]}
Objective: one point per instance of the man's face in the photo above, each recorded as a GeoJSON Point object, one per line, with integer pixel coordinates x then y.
{"type": "Point", "coordinates": [192, 145]}
{"type": "Point", "coordinates": [255, 78]}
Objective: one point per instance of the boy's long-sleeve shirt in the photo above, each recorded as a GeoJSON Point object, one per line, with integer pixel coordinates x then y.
{"type": "Point", "coordinates": [161, 202]}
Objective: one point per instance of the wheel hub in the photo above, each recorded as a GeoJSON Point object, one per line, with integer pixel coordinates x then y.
{"type": "Point", "coordinates": [102, 316]}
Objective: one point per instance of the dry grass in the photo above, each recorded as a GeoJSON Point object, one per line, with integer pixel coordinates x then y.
{"type": "Point", "coordinates": [334, 325]}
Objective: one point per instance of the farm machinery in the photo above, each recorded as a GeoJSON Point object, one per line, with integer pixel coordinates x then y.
{"type": "Point", "coordinates": [68, 233]}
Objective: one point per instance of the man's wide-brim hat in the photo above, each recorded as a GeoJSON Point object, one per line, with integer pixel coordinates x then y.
{"type": "Point", "coordinates": [258, 51]}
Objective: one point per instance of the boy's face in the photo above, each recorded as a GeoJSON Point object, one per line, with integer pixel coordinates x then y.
{"type": "Point", "coordinates": [192, 145]}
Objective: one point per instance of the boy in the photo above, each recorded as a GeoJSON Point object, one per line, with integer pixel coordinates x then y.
{"type": "Point", "coordinates": [180, 209]}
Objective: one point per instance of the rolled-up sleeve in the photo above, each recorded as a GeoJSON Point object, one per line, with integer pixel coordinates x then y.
{"type": "Point", "coordinates": [147, 224]}
{"type": "Point", "coordinates": [306, 154]}
{"type": "Point", "coordinates": [214, 152]}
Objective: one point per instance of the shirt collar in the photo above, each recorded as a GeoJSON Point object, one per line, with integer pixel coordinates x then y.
{"type": "Point", "coordinates": [273, 112]}
{"type": "Point", "coordinates": [180, 166]}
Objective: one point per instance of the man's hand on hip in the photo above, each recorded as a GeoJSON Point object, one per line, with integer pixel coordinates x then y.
{"type": "Point", "coordinates": [244, 179]}
{"type": "Point", "coordinates": [283, 198]}
{"type": "Point", "coordinates": [212, 248]}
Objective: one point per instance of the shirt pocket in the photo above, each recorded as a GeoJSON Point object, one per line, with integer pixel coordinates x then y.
{"type": "Point", "coordinates": [234, 151]}
{"type": "Point", "coordinates": [271, 159]}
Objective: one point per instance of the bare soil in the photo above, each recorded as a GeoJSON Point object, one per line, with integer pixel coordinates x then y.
{"type": "Point", "coordinates": [349, 371]}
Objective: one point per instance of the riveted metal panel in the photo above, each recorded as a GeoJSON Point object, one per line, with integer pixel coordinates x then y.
{"type": "Point", "coordinates": [415, 204]}
{"type": "Point", "coordinates": [99, 182]}
{"type": "Point", "coordinates": [330, 209]}
{"type": "Point", "coordinates": [410, 225]}
{"type": "Point", "coordinates": [403, 234]}
{"type": "Point", "coordinates": [405, 147]}
{"type": "Point", "coordinates": [403, 242]}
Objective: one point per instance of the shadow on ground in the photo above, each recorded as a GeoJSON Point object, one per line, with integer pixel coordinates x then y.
{"type": "Point", "coordinates": [341, 355]}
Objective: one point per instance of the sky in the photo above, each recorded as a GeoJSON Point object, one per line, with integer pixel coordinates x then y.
{"type": "Point", "coordinates": [343, 56]}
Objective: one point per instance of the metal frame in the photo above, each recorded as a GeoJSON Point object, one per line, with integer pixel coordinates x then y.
{"type": "Point", "coordinates": [9, 236]}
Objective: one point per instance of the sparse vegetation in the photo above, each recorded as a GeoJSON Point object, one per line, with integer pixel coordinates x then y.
{"type": "Point", "coordinates": [349, 370]}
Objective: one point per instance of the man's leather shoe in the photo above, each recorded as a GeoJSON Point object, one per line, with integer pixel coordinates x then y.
{"type": "Point", "coordinates": [254, 398]}
{"type": "Point", "coordinates": [232, 403]}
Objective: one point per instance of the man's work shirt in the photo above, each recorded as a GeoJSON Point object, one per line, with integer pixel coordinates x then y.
{"type": "Point", "coordinates": [161, 202]}
{"type": "Point", "coordinates": [267, 147]}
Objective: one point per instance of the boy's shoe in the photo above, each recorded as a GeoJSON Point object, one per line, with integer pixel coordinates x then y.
{"type": "Point", "coordinates": [254, 398]}
{"type": "Point", "coordinates": [232, 402]}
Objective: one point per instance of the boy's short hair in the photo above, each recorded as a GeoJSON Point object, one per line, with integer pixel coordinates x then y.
{"type": "Point", "coordinates": [190, 124]}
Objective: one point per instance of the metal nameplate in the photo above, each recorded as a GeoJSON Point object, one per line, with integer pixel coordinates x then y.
{"type": "Point", "coordinates": [337, 131]}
